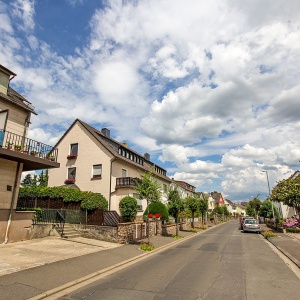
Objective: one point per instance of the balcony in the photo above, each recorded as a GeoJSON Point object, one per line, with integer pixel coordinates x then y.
{"type": "Point", "coordinates": [34, 155]}
{"type": "Point", "coordinates": [126, 182]}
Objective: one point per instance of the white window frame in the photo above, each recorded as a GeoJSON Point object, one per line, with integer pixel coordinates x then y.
{"type": "Point", "coordinates": [97, 171]}
{"type": "Point", "coordinates": [124, 171]}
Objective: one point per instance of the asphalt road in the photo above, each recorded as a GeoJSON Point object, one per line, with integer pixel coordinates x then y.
{"type": "Point", "coordinates": [222, 263]}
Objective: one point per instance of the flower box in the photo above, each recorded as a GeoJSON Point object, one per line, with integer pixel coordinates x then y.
{"type": "Point", "coordinates": [70, 156]}
{"type": "Point", "coordinates": [69, 180]}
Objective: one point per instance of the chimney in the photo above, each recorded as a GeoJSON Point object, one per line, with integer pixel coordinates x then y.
{"type": "Point", "coordinates": [125, 144]}
{"type": "Point", "coordinates": [5, 78]}
{"type": "Point", "coordinates": [147, 156]}
{"type": "Point", "coordinates": [105, 132]}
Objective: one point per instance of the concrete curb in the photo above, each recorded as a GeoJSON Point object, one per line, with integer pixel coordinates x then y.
{"type": "Point", "coordinates": [288, 255]}
{"type": "Point", "coordinates": [115, 267]}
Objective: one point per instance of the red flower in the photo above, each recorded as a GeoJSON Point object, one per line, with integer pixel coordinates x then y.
{"type": "Point", "coordinates": [72, 155]}
{"type": "Point", "coordinates": [150, 216]}
{"type": "Point", "coordinates": [70, 180]}
{"type": "Point", "coordinates": [158, 215]}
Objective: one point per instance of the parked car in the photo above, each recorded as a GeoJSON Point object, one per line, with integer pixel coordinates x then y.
{"type": "Point", "coordinates": [242, 219]}
{"type": "Point", "coordinates": [251, 225]}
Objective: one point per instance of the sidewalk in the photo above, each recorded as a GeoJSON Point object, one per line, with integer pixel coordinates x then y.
{"type": "Point", "coordinates": [288, 244]}
{"type": "Point", "coordinates": [31, 268]}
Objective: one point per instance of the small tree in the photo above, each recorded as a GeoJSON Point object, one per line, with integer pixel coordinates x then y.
{"type": "Point", "coordinates": [250, 211]}
{"type": "Point", "coordinates": [192, 204]}
{"type": "Point", "coordinates": [203, 206]}
{"type": "Point", "coordinates": [27, 180]}
{"type": "Point", "coordinates": [157, 208]}
{"type": "Point", "coordinates": [266, 210]}
{"type": "Point", "coordinates": [128, 208]}
{"type": "Point", "coordinates": [255, 203]}
{"type": "Point", "coordinates": [176, 205]}
{"type": "Point", "coordinates": [43, 179]}
{"type": "Point", "coordinates": [148, 188]}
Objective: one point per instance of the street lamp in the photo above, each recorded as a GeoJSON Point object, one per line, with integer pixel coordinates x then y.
{"type": "Point", "coordinates": [270, 197]}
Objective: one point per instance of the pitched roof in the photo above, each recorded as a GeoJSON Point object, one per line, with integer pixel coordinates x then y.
{"type": "Point", "coordinates": [114, 147]}
{"type": "Point", "coordinates": [185, 185]}
{"type": "Point", "coordinates": [13, 96]}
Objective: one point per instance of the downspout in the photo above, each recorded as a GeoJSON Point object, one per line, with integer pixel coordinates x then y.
{"type": "Point", "coordinates": [12, 204]}
{"type": "Point", "coordinates": [110, 180]}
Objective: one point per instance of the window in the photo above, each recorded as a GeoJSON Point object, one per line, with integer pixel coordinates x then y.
{"type": "Point", "coordinates": [97, 171]}
{"type": "Point", "coordinates": [71, 176]}
{"type": "Point", "coordinates": [72, 173]}
{"type": "Point", "coordinates": [124, 173]}
{"type": "Point", "coordinates": [74, 149]}
{"type": "Point", "coordinates": [139, 201]}
{"type": "Point", "coordinates": [165, 188]}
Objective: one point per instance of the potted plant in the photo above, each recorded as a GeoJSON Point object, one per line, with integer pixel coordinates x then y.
{"type": "Point", "coordinates": [17, 148]}
{"type": "Point", "coordinates": [9, 145]}
{"type": "Point", "coordinates": [33, 152]}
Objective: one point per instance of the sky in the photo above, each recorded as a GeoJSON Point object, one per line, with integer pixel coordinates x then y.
{"type": "Point", "coordinates": [210, 89]}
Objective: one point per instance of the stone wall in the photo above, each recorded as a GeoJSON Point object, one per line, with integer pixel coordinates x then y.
{"type": "Point", "coordinates": [103, 233]}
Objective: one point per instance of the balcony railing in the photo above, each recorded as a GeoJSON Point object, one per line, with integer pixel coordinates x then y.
{"type": "Point", "coordinates": [27, 146]}
{"type": "Point", "coordinates": [126, 182]}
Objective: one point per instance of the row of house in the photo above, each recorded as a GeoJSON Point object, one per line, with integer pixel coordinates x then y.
{"type": "Point", "coordinates": [84, 158]}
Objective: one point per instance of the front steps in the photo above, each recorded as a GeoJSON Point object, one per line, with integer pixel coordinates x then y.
{"type": "Point", "coordinates": [69, 232]}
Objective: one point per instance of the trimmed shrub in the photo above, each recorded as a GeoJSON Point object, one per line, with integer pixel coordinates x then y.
{"type": "Point", "coordinates": [157, 208]}
{"type": "Point", "coordinates": [293, 230]}
{"type": "Point", "coordinates": [128, 208]}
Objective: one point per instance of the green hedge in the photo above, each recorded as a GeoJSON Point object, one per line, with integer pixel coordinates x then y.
{"type": "Point", "coordinates": [88, 200]}
{"type": "Point", "coordinates": [293, 230]}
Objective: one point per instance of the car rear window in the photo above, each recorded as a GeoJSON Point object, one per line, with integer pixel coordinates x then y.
{"type": "Point", "coordinates": [249, 221]}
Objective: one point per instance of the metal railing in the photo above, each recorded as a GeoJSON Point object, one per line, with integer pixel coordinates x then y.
{"type": "Point", "coordinates": [126, 181]}
{"type": "Point", "coordinates": [25, 145]}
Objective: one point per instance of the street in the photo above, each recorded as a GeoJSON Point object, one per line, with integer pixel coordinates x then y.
{"type": "Point", "coordinates": [222, 263]}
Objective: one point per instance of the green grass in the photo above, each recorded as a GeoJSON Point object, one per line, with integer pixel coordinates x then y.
{"type": "Point", "coordinates": [146, 247]}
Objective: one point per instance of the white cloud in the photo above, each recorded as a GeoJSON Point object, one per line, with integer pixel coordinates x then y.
{"type": "Point", "coordinates": [24, 9]}
{"type": "Point", "coordinates": [176, 80]}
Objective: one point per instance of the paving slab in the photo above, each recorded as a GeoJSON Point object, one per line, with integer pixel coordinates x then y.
{"type": "Point", "coordinates": [22, 255]}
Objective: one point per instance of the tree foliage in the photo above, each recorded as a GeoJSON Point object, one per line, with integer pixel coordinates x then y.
{"type": "Point", "coordinates": [288, 192]}
{"type": "Point", "coordinates": [128, 208]}
{"type": "Point", "coordinates": [148, 188]}
{"type": "Point", "coordinates": [175, 205]}
{"type": "Point", "coordinates": [266, 210]}
{"type": "Point", "coordinates": [27, 180]}
{"type": "Point", "coordinates": [203, 205]}
{"type": "Point", "coordinates": [88, 200]}
{"type": "Point", "coordinates": [192, 204]}
{"type": "Point", "coordinates": [255, 204]}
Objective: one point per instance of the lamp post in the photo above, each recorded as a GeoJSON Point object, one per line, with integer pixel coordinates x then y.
{"type": "Point", "coordinates": [270, 199]}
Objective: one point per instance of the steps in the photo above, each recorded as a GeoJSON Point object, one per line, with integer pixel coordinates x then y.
{"type": "Point", "coordinates": [69, 232]}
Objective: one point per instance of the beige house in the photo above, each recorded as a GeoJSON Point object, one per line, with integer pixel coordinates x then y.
{"type": "Point", "coordinates": [92, 161]}
{"type": "Point", "coordinates": [185, 189]}
{"type": "Point", "coordinates": [17, 154]}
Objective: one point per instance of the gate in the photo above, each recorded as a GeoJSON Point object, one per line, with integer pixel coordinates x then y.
{"type": "Point", "coordinates": [139, 231]}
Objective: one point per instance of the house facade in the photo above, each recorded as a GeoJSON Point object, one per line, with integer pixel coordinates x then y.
{"type": "Point", "coordinates": [185, 189]}
{"type": "Point", "coordinates": [17, 154]}
{"type": "Point", "coordinates": [92, 161]}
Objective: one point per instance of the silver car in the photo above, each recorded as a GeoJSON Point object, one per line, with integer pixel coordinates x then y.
{"type": "Point", "coordinates": [251, 225]}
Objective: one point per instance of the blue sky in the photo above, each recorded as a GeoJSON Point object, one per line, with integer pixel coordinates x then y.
{"type": "Point", "coordinates": [209, 88]}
